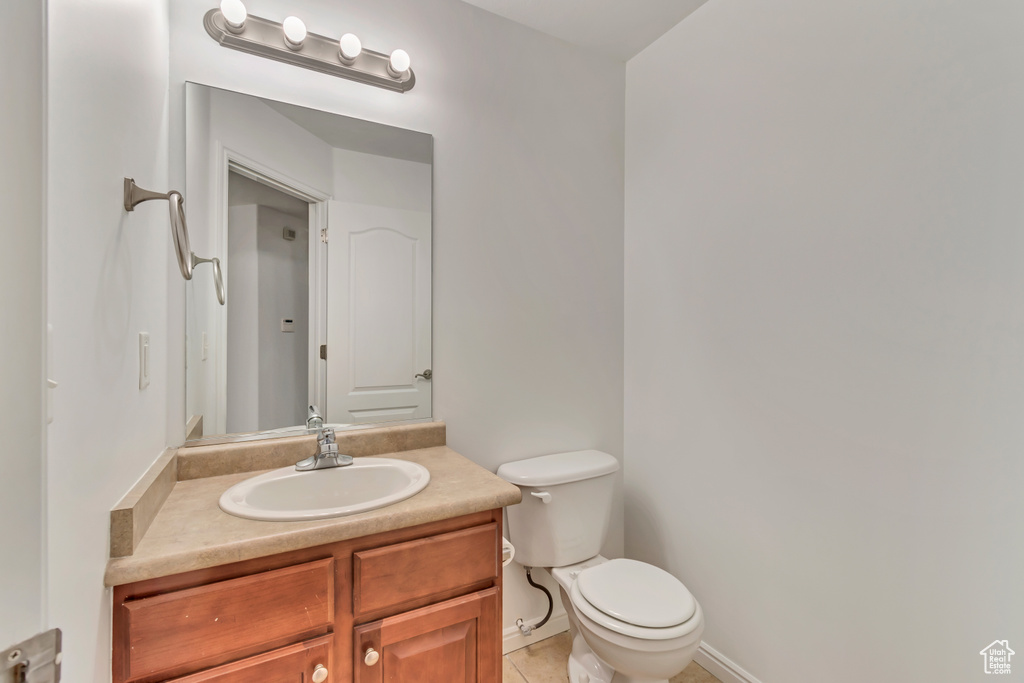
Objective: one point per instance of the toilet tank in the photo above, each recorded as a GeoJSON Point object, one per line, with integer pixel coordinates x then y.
{"type": "Point", "coordinates": [567, 504]}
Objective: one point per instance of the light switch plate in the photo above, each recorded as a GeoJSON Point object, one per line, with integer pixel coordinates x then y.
{"type": "Point", "coordinates": [143, 360]}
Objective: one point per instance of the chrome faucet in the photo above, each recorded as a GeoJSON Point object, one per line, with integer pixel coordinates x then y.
{"type": "Point", "coordinates": [327, 455]}
{"type": "Point", "coordinates": [313, 418]}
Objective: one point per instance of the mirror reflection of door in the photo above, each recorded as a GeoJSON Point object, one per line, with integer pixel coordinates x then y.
{"type": "Point", "coordinates": [378, 313]}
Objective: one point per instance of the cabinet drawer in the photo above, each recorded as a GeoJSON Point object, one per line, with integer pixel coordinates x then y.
{"type": "Point", "coordinates": [176, 633]}
{"type": "Point", "coordinates": [397, 575]}
{"type": "Point", "coordinates": [292, 664]}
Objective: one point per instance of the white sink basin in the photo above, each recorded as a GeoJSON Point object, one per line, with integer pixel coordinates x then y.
{"type": "Point", "coordinates": [286, 495]}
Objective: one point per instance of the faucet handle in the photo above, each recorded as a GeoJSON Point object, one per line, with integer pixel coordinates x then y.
{"type": "Point", "coordinates": [327, 442]}
{"type": "Point", "coordinates": [328, 455]}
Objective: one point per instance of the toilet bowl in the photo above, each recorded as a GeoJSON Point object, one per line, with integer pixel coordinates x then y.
{"type": "Point", "coordinates": [640, 622]}
{"type": "Point", "coordinates": [630, 621]}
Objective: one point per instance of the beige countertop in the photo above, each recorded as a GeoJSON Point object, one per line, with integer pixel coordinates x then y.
{"type": "Point", "coordinates": [191, 532]}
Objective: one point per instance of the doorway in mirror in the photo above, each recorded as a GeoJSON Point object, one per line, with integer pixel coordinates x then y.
{"type": "Point", "coordinates": [268, 323]}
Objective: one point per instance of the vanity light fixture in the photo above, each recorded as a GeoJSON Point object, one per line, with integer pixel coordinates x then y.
{"type": "Point", "coordinates": [294, 33]}
{"type": "Point", "coordinates": [234, 15]}
{"type": "Point", "coordinates": [290, 42]}
{"type": "Point", "coordinates": [349, 47]}
{"type": "Point", "coordinates": [398, 64]}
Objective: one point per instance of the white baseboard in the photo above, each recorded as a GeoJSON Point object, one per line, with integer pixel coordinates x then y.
{"type": "Point", "coordinates": [721, 667]}
{"type": "Point", "coordinates": [513, 638]}
{"type": "Point", "coordinates": [717, 664]}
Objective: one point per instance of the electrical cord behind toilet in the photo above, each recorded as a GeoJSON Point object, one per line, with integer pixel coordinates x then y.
{"type": "Point", "coordinates": [527, 630]}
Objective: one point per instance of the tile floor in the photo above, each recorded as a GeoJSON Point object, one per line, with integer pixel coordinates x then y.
{"type": "Point", "coordinates": [545, 662]}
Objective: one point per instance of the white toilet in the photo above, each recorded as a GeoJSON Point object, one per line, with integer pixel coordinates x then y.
{"type": "Point", "coordinates": [630, 622]}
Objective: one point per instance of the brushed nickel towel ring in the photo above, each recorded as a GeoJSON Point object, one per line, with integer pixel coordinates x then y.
{"type": "Point", "coordinates": [187, 260]}
{"type": "Point", "coordinates": [218, 278]}
{"type": "Point", "coordinates": [135, 195]}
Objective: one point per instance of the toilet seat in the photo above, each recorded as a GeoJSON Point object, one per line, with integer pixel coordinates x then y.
{"type": "Point", "coordinates": [635, 599]}
{"type": "Point", "coordinates": [637, 593]}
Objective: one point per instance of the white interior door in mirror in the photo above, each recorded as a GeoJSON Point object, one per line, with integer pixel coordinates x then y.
{"type": "Point", "coordinates": [378, 302]}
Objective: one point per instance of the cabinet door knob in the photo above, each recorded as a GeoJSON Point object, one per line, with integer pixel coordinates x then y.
{"type": "Point", "coordinates": [372, 656]}
{"type": "Point", "coordinates": [320, 673]}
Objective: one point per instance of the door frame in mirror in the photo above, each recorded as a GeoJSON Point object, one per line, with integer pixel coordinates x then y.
{"type": "Point", "coordinates": [231, 161]}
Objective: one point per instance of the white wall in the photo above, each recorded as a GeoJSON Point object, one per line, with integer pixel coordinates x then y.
{"type": "Point", "coordinates": [283, 293]}
{"type": "Point", "coordinates": [200, 387]}
{"type": "Point", "coordinates": [243, 322]}
{"type": "Point", "coordinates": [111, 275]}
{"type": "Point", "coordinates": [382, 181]}
{"type": "Point", "coordinates": [824, 325]}
{"type": "Point", "coordinates": [528, 186]}
{"type": "Point", "coordinates": [267, 378]}
{"type": "Point", "coordinates": [22, 301]}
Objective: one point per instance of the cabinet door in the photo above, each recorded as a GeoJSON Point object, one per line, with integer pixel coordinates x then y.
{"type": "Point", "coordinates": [292, 664]}
{"type": "Point", "coordinates": [457, 641]}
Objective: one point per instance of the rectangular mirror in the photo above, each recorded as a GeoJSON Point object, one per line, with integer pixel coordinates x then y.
{"type": "Point", "coordinates": [322, 224]}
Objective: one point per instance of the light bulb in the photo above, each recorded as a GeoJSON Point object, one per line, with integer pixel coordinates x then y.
{"type": "Point", "coordinates": [398, 64]}
{"type": "Point", "coordinates": [234, 15]}
{"type": "Point", "coordinates": [349, 47]}
{"type": "Point", "coordinates": [294, 32]}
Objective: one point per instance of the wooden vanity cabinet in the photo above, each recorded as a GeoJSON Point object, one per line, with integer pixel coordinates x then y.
{"type": "Point", "coordinates": [426, 600]}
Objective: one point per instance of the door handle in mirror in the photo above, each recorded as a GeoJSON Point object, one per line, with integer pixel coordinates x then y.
{"type": "Point", "coordinates": [426, 374]}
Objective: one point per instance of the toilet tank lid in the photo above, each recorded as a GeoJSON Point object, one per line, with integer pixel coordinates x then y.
{"type": "Point", "coordinates": [559, 468]}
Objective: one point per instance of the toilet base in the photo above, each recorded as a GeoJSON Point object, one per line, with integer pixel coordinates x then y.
{"type": "Point", "coordinates": [623, 678]}
{"type": "Point", "coordinates": [587, 667]}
